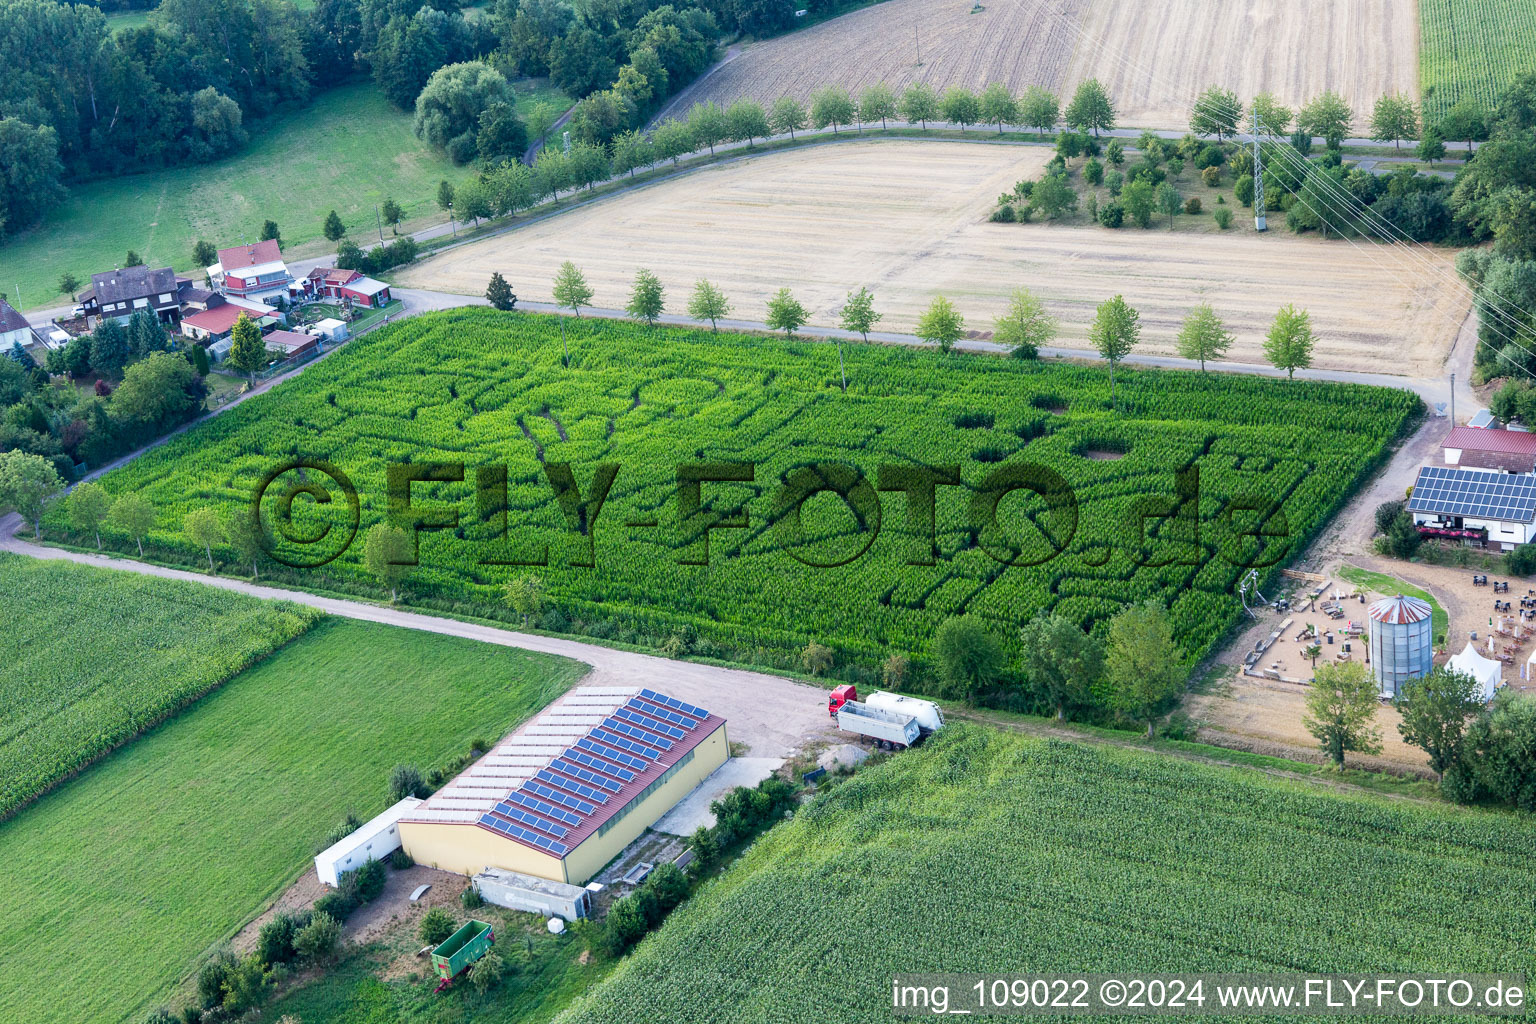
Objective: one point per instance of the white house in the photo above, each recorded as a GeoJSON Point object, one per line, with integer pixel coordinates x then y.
{"type": "Point", "coordinates": [14, 329]}
{"type": "Point", "coordinates": [255, 272]}
{"type": "Point", "coordinates": [374, 840]}
{"type": "Point", "coordinates": [1475, 505]}
{"type": "Point", "coordinates": [1495, 450]}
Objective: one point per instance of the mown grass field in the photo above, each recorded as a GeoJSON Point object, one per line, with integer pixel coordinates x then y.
{"type": "Point", "coordinates": [346, 151]}
{"type": "Point", "coordinates": [1388, 585]}
{"type": "Point", "coordinates": [1473, 48]}
{"type": "Point", "coordinates": [92, 658]}
{"type": "Point", "coordinates": [990, 852]}
{"type": "Point", "coordinates": [164, 848]}
{"type": "Point", "coordinates": [489, 389]}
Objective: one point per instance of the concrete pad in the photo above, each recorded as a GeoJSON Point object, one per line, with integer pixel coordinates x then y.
{"type": "Point", "coordinates": [693, 810]}
{"type": "Point", "coordinates": [843, 755]}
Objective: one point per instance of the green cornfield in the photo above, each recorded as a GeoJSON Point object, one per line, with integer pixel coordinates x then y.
{"type": "Point", "coordinates": [91, 659]}
{"type": "Point", "coordinates": [1473, 48]}
{"type": "Point", "coordinates": [988, 852]}
{"type": "Point", "coordinates": [838, 543]}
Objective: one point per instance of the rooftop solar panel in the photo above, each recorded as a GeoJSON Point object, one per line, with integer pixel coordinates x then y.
{"type": "Point", "coordinates": [1447, 490]}
{"type": "Point", "coordinates": [617, 756]}
{"type": "Point", "coordinates": [646, 722]}
{"type": "Point", "coordinates": [559, 796]}
{"type": "Point", "coordinates": [513, 811]}
{"type": "Point", "coordinates": [639, 757]}
{"type": "Point", "coordinates": [544, 808]}
{"type": "Point", "coordinates": [637, 732]}
{"type": "Point", "coordinates": [584, 792]}
{"type": "Point", "coordinates": [675, 704]}
{"type": "Point", "coordinates": [591, 760]}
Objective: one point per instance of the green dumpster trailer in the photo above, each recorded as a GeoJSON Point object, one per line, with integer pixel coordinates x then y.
{"type": "Point", "coordinates": [462, 948]}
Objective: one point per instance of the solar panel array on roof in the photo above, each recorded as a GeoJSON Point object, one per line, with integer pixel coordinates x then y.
{"type": "Point", "coordinates": [675, 704]}
{"type": "Point", "coordinates": [1445, 490]}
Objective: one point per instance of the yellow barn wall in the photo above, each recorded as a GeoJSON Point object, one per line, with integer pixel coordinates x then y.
{"type": "Point", "coordinates": [469, 849]}
{"type": "Point", "coordinates": [585, 861]}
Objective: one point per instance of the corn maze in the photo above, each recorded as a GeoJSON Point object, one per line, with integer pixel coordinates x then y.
{"type": "Point", "coordinates": [1473, 48]}
{"type": "Point", "coordinates": [751, 502]}
{"type": "Point", "coordinates": [985, 851]}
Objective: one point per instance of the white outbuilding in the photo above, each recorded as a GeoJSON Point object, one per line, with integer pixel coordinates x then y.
{"type": "Point", "coordinates": [374, 840]}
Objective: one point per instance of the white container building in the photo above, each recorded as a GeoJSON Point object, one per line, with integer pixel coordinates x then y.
{"type": "Point", "coordinates": [374, 840]}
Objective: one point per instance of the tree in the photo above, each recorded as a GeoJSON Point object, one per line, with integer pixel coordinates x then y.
{"type": "Point", "coordinates": [1497, 754]}
{"type": "Point", "coordinates": [1091, 108]}
{"type": "Point", "coordinates": [967, 656]}
{"type": "Point", "coordinates": [486, 972]}
{"type": "Point", "coordinates": [436, 925]}
{"type": "Point", "coordinates": [134, 516]}
{"type": "Point", "coordinates": [444, 201]}
{"type": "Point", "coordinates": [89, 504]}
{"type": "Point", "coordinates": [1061, 659]}
{"type": "Point", "coordinates": [1115, 330]}
{"type": "Point", "coordinates": [472, 200]}
{"type": "Point", "coordinates": [27, 483]}
{"type": "Point", "coordinates": [831, 106]}
{"type": "Point", "coordinates": [1466, 121]}
{"type": "Point", "coordinates": [1431, 147]}
{"type": "Point", "coordinates": [391, 214]}
{"type": "Point", "coordinates": [571, 288]}
{"type": "Point", "coordinates": [158, 391]}
{"type": "Point", "coordinates": [706, 125]}
{"type": "Point", "coordinates": [746, 120]}
{"type": "Point", "coordinates": [1203, 335]}
{"type": "Point", "coordinates": [1052, 197]}
{"type": "Point", "coordinates": [69, 284]}
{"type": "Point", "coordinates": [960, 106]}
{"type": "Point", "coordinates": [941, 324]}
{"type": "Point", "coordinates": [1435, 709]}
{"type": "Point", "coordinates": [1328, 117]}
{"type": "Point", "coordinates": [1341, 710]}
{"type": "Point", "coordinates": [110, 348]}
{"type": "Point", "coordinates": [32, 181]}
{"type": "Point", "coordinates": [1039, 109]}
{"type": "Point", "coordinates": [247, 350]}
{"type": "Point", "coordinates": [500, 134]}
{"type": "Point", "coordinates": [387, 555]}
{"type": "Point", "coordinates": [1394, 119]}
{"type": "Point", "coordinates": [1288, 345]}
{"type": "Point", "coordinates": [1274, 117]}
{"type": "Point", "coordinates": [1142, 663]}
{"type": "Point", "coordinates": [524, 595]}
{"type": "Point", "coordinates": [1025, 327]}
{"type": "Point", "coordinates": [645, 298]}
{"type": "Point", "coordinates": [816, 658]}
{"type": "Point", "coordinates": [588, 164]}
{"type": "Point", "coordinates": [270, 233]}
{"type": "Point", "coordinates": [499, 294]}
{"type": "Point", "coordinates": [631, 151]}
{"type": "Point", "coordinates": [919, 104]}
{"type": "Point", "coordinates": [878, 103]}
{"type": "Point", "coordinates": [672, 138]}
{"type": "Point", "coordinates": [785, 313]}
{"type": "Point", "coordinates": [859, 313]}
{"type": "Point", "coordinates": [1139, 199]}
{"type": "Point", "coordinates": [997, 106]}
{"type": "Point", "coordinates": [334, 229]}
{"type": "Point", "coordinates": [145, 335]}
{"type": "Point", "coordinates": [788, 115]}
{"type": "Point", "coordinates": [405, 781]}
{"type": "Point", "coordinates": [316, 940]}
{"type": "Point", "coordinates": [204, 254]}
{"type": "Point", "coordinates": [1169, 201]}
{"type": "Point", "coordinates": [203, 528]}
{"type": "Point", "coordinates": [245, 535]}
{"type": "Point", "coordinates": [1216, 112]}
{"type": "Point", "coordinates": [708, 303]}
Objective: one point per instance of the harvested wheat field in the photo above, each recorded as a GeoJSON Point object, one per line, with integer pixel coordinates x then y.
{"type": "Point", "coordinates": [1154, 58]}
{"type": "Point", "coordinates": [907, 218]}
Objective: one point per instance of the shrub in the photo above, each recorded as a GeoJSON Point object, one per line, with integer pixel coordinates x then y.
{"type": "Point", "coordinates": [1243, 190]}
{"type": "Point", "coordinates": [334, 904]}
{"type": "Point", "coordinates": [400, 860]}
{"type": "Point", "coordinates": [1386, 512]}
{"type": "Point", "coordinates": [1004, 214]}
{"type": "Point", "coordinates": [406, 781]}
{"type": "Point", "coordinates": [211, 977]}
{"type": "Point", "coordinates": [436, 925]}
{"type": "Point", "coordinates": [1522, 560]}
{"type": "Point", "coordinates": [1223, 218]}
{"type": "Point", "coordinates": [1192, 205]}
{"type": "Point", "coordinates": [626, 925]}
{"type": "Point", "coordinates": [340, 831]}
{"type": "Point", "coordinates": [816, 658]}
{"type": "Point", "coordinates": [1211, 176]}
{"type": "Point", "coordinates": [1403, 537]}
{"type": "Point", "coordinates": [275, 942]}
{"type": "Point", "coordinates": [894, 671]}
{"type": "Point", "coordinates": [486, 972]}
{"type": "Point", "coordinates": [471, 898]}
{"type": "Point", "coordinates": [668, 885]}
{"type": "Point", "coordinates": [1114, 181]}
{"type": "Point", "coordinates": [1093, 171]}
{"type": "Point", "coordinates": [1112, 214]}
{"type": "Point", "coordinates": [370, 880]}
{"type": "Point", "coordinates": [317, 940]}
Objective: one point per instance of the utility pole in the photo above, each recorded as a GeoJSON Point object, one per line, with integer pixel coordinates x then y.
{"type": "Point", "coordinates": [918, 46]}
{"type": "Point", "coordinates": [378, 219]}
{"type": "Point", "coordinates": [1453, 399]}
{"type": "Point", "coordinates": [1260, 222]}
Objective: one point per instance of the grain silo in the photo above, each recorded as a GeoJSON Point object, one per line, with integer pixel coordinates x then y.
{"type": "Point", "coordinates": [1402, 641]}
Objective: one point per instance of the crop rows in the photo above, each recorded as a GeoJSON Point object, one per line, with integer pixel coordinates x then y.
{"type": "Point", "coordinates": [488, 389]}
{"type": "Point", "coordinates": [990, 852]}
{"type": "Point", "coordinates": [91, 659]}
{"type": "Point", "coordinates": [1473, 48]}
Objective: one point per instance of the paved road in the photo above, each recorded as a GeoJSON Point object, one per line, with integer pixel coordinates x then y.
{"type": "Point", "coordinates": [773, 715]}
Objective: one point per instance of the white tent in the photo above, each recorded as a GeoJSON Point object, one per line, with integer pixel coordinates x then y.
{"type": "Point", "coordinates": [1487, 672]}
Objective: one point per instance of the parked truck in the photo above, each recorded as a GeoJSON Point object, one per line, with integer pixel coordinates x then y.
{"type": "Point", "coordinates": [890, 720]}
{"type": "Point", "coordinates": [461, 949]}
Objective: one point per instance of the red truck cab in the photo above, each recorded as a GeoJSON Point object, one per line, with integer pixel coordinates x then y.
{"type": "Point", "coordinates": [840, 696]}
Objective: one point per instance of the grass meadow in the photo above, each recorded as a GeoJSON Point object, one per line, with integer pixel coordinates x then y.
{"type": "Point", "coordinates": [163, 849]}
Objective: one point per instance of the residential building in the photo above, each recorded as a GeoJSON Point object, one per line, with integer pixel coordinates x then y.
{"type": "Point", "coordinates": [215, 324]}
{"type": "Point", "coordinates": [14, 329]}
{"type": "Point", "coordinates": [347, 285]}
{"type": "Point", "coordinates": [256, 272]}
{"type": "Point", "coordinates": [291, 343]}
{"type": "Point", "coordinates": [570, 789]}
{"type": "Point", "coordinates": [1475, 505]}
{"type": "Point", "coordinates": [119, 294]}
{"type": "Point", "coordinates": [1494, 450]}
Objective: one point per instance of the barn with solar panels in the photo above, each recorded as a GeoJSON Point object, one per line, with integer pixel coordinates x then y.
{"type": "Point", "coordinates": [1475, 505]}
{"type": "Point", "coordinates": [571, 788]}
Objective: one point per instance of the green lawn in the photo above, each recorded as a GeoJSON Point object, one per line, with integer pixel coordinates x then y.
{"type": "Point", "coordinates": [1381, 583]}
{"type": "Point", "coordinates": [991, 852]}
{"type": "Point", "coordinates": [347, 151]}
{"type": "Point", "coordinates": [164, 848]}
{"type": "Point", "coordinates": [99, 656]}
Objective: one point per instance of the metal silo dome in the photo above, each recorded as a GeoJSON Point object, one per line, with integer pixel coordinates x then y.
{"type": "Point", "coordinates": [1402, 641]}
